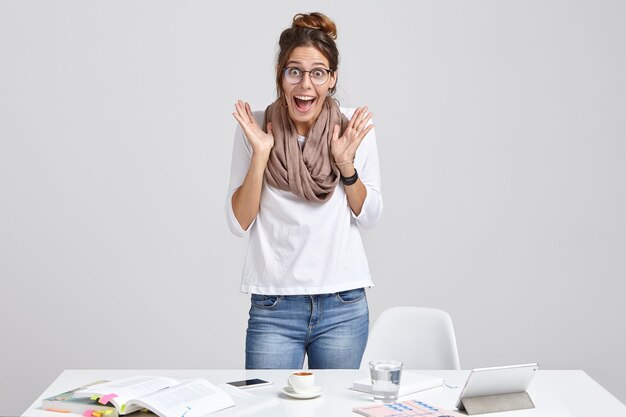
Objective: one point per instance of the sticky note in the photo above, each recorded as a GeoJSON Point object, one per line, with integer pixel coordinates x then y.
{"type": "Point", "coordinates": [96, 414]}
{"type": "Point", "coordinates": [106, 398]}
{"type": "Point", "coordinates": [87, 413]}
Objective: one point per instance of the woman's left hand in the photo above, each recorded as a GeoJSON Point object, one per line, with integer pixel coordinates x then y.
{"type": "Point", "coordinates": [344, 148]}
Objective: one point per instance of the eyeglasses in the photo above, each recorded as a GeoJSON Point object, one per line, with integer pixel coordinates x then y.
{"type": "Point", "coordinates": [318, 76]}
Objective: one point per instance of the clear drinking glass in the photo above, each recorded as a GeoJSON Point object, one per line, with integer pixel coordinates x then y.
{"type": "Point", "coordinates": [386, 380]}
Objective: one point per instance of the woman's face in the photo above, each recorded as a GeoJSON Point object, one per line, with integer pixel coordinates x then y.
{"type": "Point", "coordinates": [306, 99]}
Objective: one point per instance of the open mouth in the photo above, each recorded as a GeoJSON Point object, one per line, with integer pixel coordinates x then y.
{"type": "Point", "coordinates": [303, 103]}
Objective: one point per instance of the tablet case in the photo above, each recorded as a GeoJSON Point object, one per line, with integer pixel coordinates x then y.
{"type": "Point", "coordinates": [497, 389]}
{"type": "Point", "coordinates": [496, 403]}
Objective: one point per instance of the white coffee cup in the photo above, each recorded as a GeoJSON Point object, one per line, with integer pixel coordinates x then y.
{"type": "Point", "coordinates": [301, 381]}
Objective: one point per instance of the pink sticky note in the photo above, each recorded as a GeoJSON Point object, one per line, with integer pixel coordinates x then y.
{"type": "Point", "coordinates": [87, 413]}
{"type": "Point", "coordinates": [106, 398]}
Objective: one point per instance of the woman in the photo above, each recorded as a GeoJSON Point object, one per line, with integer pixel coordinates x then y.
{"type": "Point", "coordinates": [304, 180]}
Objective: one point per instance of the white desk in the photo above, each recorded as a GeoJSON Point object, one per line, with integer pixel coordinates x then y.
{"type": "Point", "coordinates": [555, 393]}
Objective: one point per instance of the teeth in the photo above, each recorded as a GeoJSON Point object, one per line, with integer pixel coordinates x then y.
{"type": "Point", "coordinates": [306, 98]}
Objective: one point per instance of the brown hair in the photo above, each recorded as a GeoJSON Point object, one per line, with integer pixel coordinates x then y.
{"type": "Point", "coordinates": [312, 29]}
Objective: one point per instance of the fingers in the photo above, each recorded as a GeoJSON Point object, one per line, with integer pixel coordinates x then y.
{"type": "Point", "coordinates": [362, 119]}
{"type": "Point", "coordinates": [336, 133]}
{"type": "Point", "coordinates": [358, 125]}
{"type": "Point", "coordinates": [239, 118]}
{"type": "Point", "coordinates": [245, 117]}
{"type": "Point", "coordinates": [367, 129]}
{"type": "Point", "coordinates": [244, 112]}
{"type": "Point", "coordinates": [356, 118]}
{"type": "Point", "coordinates": [249, 111]}
{"type": "Point", "coordinates": [239, 114]}
{"type": "Point", "coordinates": [246, 120]}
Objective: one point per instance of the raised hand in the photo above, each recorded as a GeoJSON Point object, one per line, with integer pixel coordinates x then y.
{"type": "Point", "coordinates": [260, 141]}
{"type": "Point", "coordinates": [344, 148]}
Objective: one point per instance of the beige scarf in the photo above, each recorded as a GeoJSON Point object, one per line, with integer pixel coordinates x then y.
{"type": "Point", "coordinates": [309, 172]}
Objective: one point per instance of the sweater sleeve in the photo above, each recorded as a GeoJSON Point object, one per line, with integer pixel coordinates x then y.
{"type": "Point", "coordinates": [366, 163]}
{"type": "Point", "coordinates": [240, 163]}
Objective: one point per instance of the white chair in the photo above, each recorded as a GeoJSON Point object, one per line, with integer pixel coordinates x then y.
{"type": "Point", "coordinates": [422, 338]}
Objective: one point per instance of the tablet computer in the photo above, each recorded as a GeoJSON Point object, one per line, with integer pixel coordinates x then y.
{"type": "Point", "coordinates": [497, 380]}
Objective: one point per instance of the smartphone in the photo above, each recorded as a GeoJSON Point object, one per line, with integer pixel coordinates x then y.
{"type": "Point", "coordinates": [249, 383]}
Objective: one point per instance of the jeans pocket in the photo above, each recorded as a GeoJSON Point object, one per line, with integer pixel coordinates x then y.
{"type": "Point", "coordinates": [265, 301]}
{"type": "Point", "coordinates": [351, 296]}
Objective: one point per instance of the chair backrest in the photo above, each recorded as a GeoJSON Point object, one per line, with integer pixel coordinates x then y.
{"type": "Point", "coordinates": [422, 338]}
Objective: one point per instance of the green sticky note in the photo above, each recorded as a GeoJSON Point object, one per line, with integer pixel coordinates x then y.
{"type": "Point", "coordinates": [123, 407]}
{"type": "Point", "coordinates": [94, 398]}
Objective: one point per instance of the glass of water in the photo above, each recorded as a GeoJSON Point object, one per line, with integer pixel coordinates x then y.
{"type": "Point", "coordinates": [386, 380]}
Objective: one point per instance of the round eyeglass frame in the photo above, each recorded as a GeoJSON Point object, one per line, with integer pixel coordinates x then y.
{"type": "Point", "coordinates": [313, 80]}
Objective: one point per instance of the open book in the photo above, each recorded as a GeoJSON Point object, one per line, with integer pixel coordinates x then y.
{"type": "Point", "coordinates": [67, 402]}
{"type": "Point", "coordinates": [163, 396]}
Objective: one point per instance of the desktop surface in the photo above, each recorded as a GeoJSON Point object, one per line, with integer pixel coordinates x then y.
{"type": "Point", "coordinates": [569, 393]}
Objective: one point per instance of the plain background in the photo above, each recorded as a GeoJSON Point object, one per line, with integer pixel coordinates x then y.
{"type": "Point", "coordinates": [501, 129]}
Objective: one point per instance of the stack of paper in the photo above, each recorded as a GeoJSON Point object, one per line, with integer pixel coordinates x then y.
{"type": "Point", "coordinates": [410, 382]}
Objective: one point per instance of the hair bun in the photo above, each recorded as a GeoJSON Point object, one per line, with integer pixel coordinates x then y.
{"type": "Point", "coordinates": [317, 21]}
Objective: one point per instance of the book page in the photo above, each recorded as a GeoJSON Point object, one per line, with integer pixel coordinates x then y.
{"type": "Point", "coordinates": [195, 398]}
{"type": "Point", "coordinates": [123, 390]}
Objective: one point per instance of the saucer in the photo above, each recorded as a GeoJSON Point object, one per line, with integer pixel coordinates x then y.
{"type": "Point", "coordinates": [312, 393]}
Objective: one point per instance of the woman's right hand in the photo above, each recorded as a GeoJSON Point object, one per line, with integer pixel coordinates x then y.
{"type": "Point", "coordinates": [261, 142]}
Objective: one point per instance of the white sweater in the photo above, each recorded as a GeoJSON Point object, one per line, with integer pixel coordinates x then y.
{"type": "Point", "coordinates": [300, 247]}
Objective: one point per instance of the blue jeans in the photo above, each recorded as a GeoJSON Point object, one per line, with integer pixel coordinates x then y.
{"type": "Point", "coordinates": [330, 328]}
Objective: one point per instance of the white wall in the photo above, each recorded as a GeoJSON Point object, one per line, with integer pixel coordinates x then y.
{"type": "Point", "coordinates": [502, 142]}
